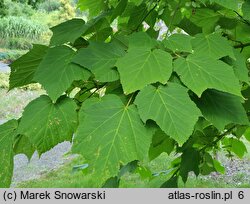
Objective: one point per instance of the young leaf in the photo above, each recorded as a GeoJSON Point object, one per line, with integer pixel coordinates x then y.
{"type": "Point", "coordinates": [160, 143]}
{"type": "Point", "coordinates": [110, 134]}
{"type": "Point", "coordinates": [171, 108]}
{"type": "Point", "coordinates": [222, 108]}
{"type": "Point", "coordinates": [200, 72]}
{"type": "Point", "coordinates": [190, 160]}
{"type": "Point", "coordinates": [56, 72]}
{"type": "Point", "coordinates": [51, 123]}
{"type": "Point", "coordinates": [206, 19]}
{"type": "Point", "coordinates": [140, 67]}
{"type": "Point", "coordinates": [24, 68]}
{"type": "Point", "coordinates": [240, 67]}
{"type": "Point", "coordinates": [7, 135]}
{"type": "Point", "coordinates": [100, 58]}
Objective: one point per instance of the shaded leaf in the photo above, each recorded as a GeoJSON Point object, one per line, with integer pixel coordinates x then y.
{"type": "Point", "coordinates": [222, 108]}
{"type": "Point", "coordinates": [56, 72]}
{"type": "Point", "coordinates": [171, 183]}
{"type": "Point", "coordinates": [190, 160]}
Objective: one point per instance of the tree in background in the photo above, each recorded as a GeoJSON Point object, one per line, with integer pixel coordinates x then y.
{"type": "Point", "coordinates": [3, 9]}
{"type": "Point", "coordinates": [67, 11]}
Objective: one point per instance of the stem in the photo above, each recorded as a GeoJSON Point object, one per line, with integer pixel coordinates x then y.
{"type": "Point", "coordinates": [130, 99]}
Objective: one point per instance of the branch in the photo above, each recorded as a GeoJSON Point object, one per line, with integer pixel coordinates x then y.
{"type": "Point", "coordinates": [241, 17]}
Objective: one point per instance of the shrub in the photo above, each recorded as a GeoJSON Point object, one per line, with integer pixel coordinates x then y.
{"type": "Point", "coordinates": [18, 9]}
{"type": "Point", "coordinates": [19, 44]}
{"type": "Point", "coordinates": [49, 6]}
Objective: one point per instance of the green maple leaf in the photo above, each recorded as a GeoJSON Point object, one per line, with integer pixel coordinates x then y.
{"type": "Point", "coordinates": [51, 123]}
{"type": "Point", "coordinates": [199, 73]}
{"type": "Point", "coordinates": [222, 108]}
{"type": "Point", "coordinates": [140, 67]}
{"type": "Point", "coordinates": [56, 72]}
{"type": "Point", "coordinates": [7, 135]}
{"type": "Point", "coordinates": [171, 108]}
{"type": "Point", "coordinates": [100, 58]}
{"type": "Point", "coordinates": [24, 68]}
{"type": "Point", "coordinates": [110, 134]}
{"type": "Point", "coordinates": [213, 45]}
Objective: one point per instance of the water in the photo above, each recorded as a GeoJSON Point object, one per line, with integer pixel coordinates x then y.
{"type": "Point", "coordinates": [4, 67]}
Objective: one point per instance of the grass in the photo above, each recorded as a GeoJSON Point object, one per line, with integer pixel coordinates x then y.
{"type": "Point", "coordinates": [65, 178]}
{"type": "Point", "coordinates": [13, 102]}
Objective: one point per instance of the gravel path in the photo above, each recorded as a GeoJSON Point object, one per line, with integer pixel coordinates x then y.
{"type": "Point", "coordinates": [26, 170]}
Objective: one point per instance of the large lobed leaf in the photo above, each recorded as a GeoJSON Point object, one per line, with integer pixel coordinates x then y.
{"type": "Point", "coordinates": [171, 108]}
{"type": "Point", "coordinates": [46, 124]}
{"type": "Point", "coordinates": [222, 108]}
{"type": "Point", "coordinates": [110, 134]}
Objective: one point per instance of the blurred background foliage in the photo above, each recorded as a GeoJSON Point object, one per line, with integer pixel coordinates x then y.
{"type": "Point", "coordinates": [26, 22]}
